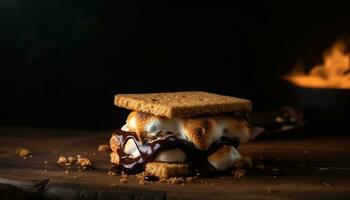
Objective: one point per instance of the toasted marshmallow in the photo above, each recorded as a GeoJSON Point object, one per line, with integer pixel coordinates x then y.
{"type": "Point", "coordinates": [233, 127]}
{"type": "Point", "coordinates": [131, 149]}
{"type": "Point", "coordinates": [172, 155]}
{"type": "Point", "coordinates": [114, 158]}
{"type": "Point", "coordinates": [114, 143]}
{"type": "Point", "coordinates": [224, 158]}
{"type": "Point", "coordinates": [201, 131]}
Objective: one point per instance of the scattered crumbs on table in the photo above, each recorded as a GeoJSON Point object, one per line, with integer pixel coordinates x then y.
{"type": "Point", "coordinates": [71, 159]}
{"type": "Point", "coordinates": [123, 180]}
{"type": "Point", "coordinates": [62, 160]}
{"type": "Point", "coordinates": [22, 152]}
{"type": "Point", "coordinates": [175, 180]}
{"type": "Point", "coordinates": [85, 163]}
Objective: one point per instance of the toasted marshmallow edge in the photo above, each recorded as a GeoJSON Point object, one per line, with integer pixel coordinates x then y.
{"type": "Point", "coordinates": [114, 158]}
{"type": "Point", "coordinates": [233, 128]}
{"type": "Point", "coordinates": [131, 149]}
{"type": "Point", "coordinates": [172, 155]}
{"type": "Point", "coordinates": [183, 128]}
{"type": "Point", "coordinates": [224, 158]}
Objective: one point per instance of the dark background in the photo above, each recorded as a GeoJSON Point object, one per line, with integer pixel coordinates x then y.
{"type": "Point", "coordinates": [63, 61]}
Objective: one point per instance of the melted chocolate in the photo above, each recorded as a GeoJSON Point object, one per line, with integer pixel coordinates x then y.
{"type": "Point", "coordinates": [197, 159]}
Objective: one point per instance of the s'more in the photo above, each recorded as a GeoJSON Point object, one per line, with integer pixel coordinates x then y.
{"type": "Point", "coordinates": [180, 133]}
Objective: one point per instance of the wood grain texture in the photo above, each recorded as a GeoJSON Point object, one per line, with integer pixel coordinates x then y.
{"type": "Point", "coordinates": [316, 168]}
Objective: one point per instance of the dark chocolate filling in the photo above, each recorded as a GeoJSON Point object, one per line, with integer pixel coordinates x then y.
{"type": "Point", "coordinates": [197, 159]}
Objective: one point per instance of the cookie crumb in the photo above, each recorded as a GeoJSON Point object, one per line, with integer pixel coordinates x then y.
{"type": "Point", "coordinates": [22, 152]}
{"type": "Point", "coordinates": [71, 160]}
{"type": "Point", "coordinates": [238, 173]}
{"type": "Point", "coordinates": [103, 148]}
{"type": "Point", "coordinates": [123, 180]}
{"type": "Point", "coordinates": [85, 163]}
{"type": "Point", "coordinates": [175, 180]}
{"type": "Point", "coordinates": [124, 175]}
{"type": "Point", "coordinates": [62, 160]}
{"type": "Point", "coordinates": [142, 182]}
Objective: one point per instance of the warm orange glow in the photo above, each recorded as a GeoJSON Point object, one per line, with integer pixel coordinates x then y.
{"type": "Point", "coordinates": [333, 73]}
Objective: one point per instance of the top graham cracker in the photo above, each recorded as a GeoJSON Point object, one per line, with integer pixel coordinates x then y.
{"type": "Point", "coordinates": [182, 104]}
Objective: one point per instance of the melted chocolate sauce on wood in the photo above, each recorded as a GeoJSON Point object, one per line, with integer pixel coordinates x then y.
{"type": "Point", "coordinates": [197, 159]}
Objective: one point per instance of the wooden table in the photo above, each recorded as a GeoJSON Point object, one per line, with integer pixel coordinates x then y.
{"type": "Point", "coordinates": [304, 168]}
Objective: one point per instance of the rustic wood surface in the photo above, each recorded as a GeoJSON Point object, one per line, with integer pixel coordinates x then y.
{"type": "Point", "coordinates": [294, 168]}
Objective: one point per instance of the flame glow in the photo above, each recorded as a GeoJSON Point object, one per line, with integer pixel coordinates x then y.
{"type": "Point", "coordinates": [333, 73]}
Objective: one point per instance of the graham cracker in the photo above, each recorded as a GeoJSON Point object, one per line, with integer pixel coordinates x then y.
{"type": "Point", "coordinates": [182, 104]}
{"type": "Point", "coordinates": [166, 170]}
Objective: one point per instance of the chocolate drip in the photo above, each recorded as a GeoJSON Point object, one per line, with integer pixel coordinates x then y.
{"type": "Point", "coordinates": [149, 149]}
